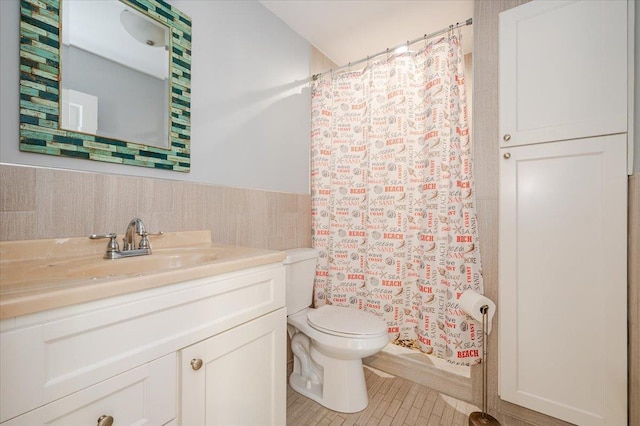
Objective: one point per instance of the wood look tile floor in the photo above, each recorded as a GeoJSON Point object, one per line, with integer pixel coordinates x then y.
{"type": "Point", "coordinates": [392, 401]}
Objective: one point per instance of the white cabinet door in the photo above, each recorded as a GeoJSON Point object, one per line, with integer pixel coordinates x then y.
{"type": "Point", "coordinates": [238, 377]}
{"type": "Point", "coordinates": [563, 70]}
{"type": "Point", "coordinates": [145, 395]}
{"type": "Point", "coordinates": [562, 278]}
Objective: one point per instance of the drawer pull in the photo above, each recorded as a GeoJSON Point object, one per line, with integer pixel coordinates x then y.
{"type": "Point", "coordinates": [506, 138]}
{"type": "Point", "coordinates": [105, 421]}
{"type": "Point", "coordinates": [196, 364]}
{"type": "Point", "coordinates": [507, 155]}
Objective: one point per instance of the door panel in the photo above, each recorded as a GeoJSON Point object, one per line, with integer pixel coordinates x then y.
{"type": "Point", "coordinates": [562, 307]}
{"type": "Point", "coordinates": [242, 378]}
{"type": "Point", "coordinates": [563, 71]}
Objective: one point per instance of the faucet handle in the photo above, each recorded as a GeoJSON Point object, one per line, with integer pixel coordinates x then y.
{"type": "Point", "coordinates": [144, 241]}
{"type": "Point", "coordinates": [111, 235]}
{"type": "Point", "coordinates": [112, 245]}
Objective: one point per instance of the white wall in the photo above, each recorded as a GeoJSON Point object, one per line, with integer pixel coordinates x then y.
{"type": "Point", "coordinates": [250, 100]}
{"type": "Point", "coordinates": [136, 94]}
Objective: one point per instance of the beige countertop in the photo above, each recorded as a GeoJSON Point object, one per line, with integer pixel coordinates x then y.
{"type": "Point", "coordinates": [45, 274]}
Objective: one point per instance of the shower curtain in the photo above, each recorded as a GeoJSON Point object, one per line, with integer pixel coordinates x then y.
{"type": "Point", "coordinates": [393, 203]}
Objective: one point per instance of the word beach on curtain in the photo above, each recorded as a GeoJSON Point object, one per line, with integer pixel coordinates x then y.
{"type": "Point", "coordinates": [393, 200]}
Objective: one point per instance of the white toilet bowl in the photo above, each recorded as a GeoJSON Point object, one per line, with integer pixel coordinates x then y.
{"type": "Point", "coordinates": [328, 345]}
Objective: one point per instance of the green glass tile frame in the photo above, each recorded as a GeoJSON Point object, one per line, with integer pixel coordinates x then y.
{"type": "Point", "coordinates": [40, 132]}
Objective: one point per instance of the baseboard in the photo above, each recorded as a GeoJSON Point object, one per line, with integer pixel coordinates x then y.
{"type": "Point", "coordinates": [413, 367]}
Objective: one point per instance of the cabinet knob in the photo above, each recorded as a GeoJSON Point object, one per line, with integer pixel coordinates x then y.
{"type": "Point", "coordinates": [105, 421]}
{"type": "Point", "coordinates": [507, 137]}
{"type": "Point", "coordinates": [196, 364]}
{"type": "Point", "coordinates": [507, 155]}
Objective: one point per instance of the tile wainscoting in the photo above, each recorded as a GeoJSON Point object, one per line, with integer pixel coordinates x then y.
{"type": "Point", "coordinates": [38, 203]}
{"type": "Point", "coordinates": [634, 299]}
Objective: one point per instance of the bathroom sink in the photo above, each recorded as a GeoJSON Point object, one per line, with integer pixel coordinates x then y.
{"type": "Point", "coordinates": [158, 261]}
{"type": "Point", "coordinates": [38, 275]}
{"type": "Point", "coordinates": [95, 268]}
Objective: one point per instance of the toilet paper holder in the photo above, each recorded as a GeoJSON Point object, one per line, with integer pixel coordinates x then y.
{"type": "Point", "coordinates": [482, 417]}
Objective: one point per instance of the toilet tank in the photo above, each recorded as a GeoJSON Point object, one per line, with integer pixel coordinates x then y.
{"type": "Point", "coordinates": [300, 267]}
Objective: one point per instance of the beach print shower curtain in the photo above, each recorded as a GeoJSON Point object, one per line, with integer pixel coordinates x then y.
{"type": "Point", "coordinates": [393, 206]}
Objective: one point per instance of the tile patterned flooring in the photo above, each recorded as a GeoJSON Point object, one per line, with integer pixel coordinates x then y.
{"type": "Point", "coordinates": [392, 401]}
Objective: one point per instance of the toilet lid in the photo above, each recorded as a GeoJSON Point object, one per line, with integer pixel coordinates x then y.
{"type": "Point", "coordinates": [341, 320]}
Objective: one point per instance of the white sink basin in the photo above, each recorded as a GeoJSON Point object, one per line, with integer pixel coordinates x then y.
{"type": "Point", "coordinates": [45, 274]}
{"type": "Point", "coordinates": [94, 267]}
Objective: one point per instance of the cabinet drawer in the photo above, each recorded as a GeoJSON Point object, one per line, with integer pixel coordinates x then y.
{"type": "Point", "coordinates": [56, 357]}
{"type": "Point", "coordinates": [144, 395]}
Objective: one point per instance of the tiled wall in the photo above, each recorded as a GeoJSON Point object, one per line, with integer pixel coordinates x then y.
{"type": "Point", "coordinates": [485, 137]}
{"type": "Point", "coordinates": [634, 299]}
{"type": "Point", "coordinates": [40, 203]}
{"type": "Point", "coordinates": [485, 145]}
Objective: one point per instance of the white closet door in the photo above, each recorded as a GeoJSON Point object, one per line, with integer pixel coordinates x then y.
{"type": "Point", "coordinates": [562, 275]}
{"type": "Point", "coordinates": [563, 70]}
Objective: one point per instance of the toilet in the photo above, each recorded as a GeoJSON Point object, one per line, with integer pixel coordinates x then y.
{"type": "Point", "coordinates": [329, 342]}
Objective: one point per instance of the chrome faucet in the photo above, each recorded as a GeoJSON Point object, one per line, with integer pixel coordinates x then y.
{"type": "Point", "coordinates": [135, 227]}
{"type": "Point", "coordinates": [129, 247]}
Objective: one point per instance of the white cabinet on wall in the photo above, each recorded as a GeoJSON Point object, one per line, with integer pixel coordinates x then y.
{"type": "Point", "coordinates": [563, 70]}
{"type": "Point", "coordinates": [563, 208]}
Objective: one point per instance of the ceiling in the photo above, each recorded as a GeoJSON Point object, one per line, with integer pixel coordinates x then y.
{"type": "Point", "coordinates": [349, 30]}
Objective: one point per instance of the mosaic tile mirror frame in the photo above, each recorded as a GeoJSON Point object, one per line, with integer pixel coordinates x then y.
{"type": "Point", "coordinates": [40, 88]}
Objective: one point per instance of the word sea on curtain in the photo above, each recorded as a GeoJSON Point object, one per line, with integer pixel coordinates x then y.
{"type": "Point", "coordinates": [393, 203]}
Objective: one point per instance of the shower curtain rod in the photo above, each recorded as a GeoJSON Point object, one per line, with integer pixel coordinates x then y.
{"type": "Point", "coordinates": [425, 37]}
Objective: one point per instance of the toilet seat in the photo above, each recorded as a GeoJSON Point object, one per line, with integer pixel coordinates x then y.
{"type": "Point", "coordinates": [346, 322]}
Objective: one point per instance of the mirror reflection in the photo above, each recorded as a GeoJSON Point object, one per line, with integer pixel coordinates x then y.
{"type": "Point", "coordinates": [114, 72]}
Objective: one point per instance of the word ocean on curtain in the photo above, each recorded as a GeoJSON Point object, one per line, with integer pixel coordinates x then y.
{"type": "Point", "coordinates": [393, 203]}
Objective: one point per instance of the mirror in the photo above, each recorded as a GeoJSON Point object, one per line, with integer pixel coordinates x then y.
{"type": "Point", "coordinates": [115, 65]}
{"type": "Point", "coordinates": [122, 98]}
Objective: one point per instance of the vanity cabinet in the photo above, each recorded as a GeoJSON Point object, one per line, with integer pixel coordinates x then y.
{"type": "Point", "coordinates": [122, 356]}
